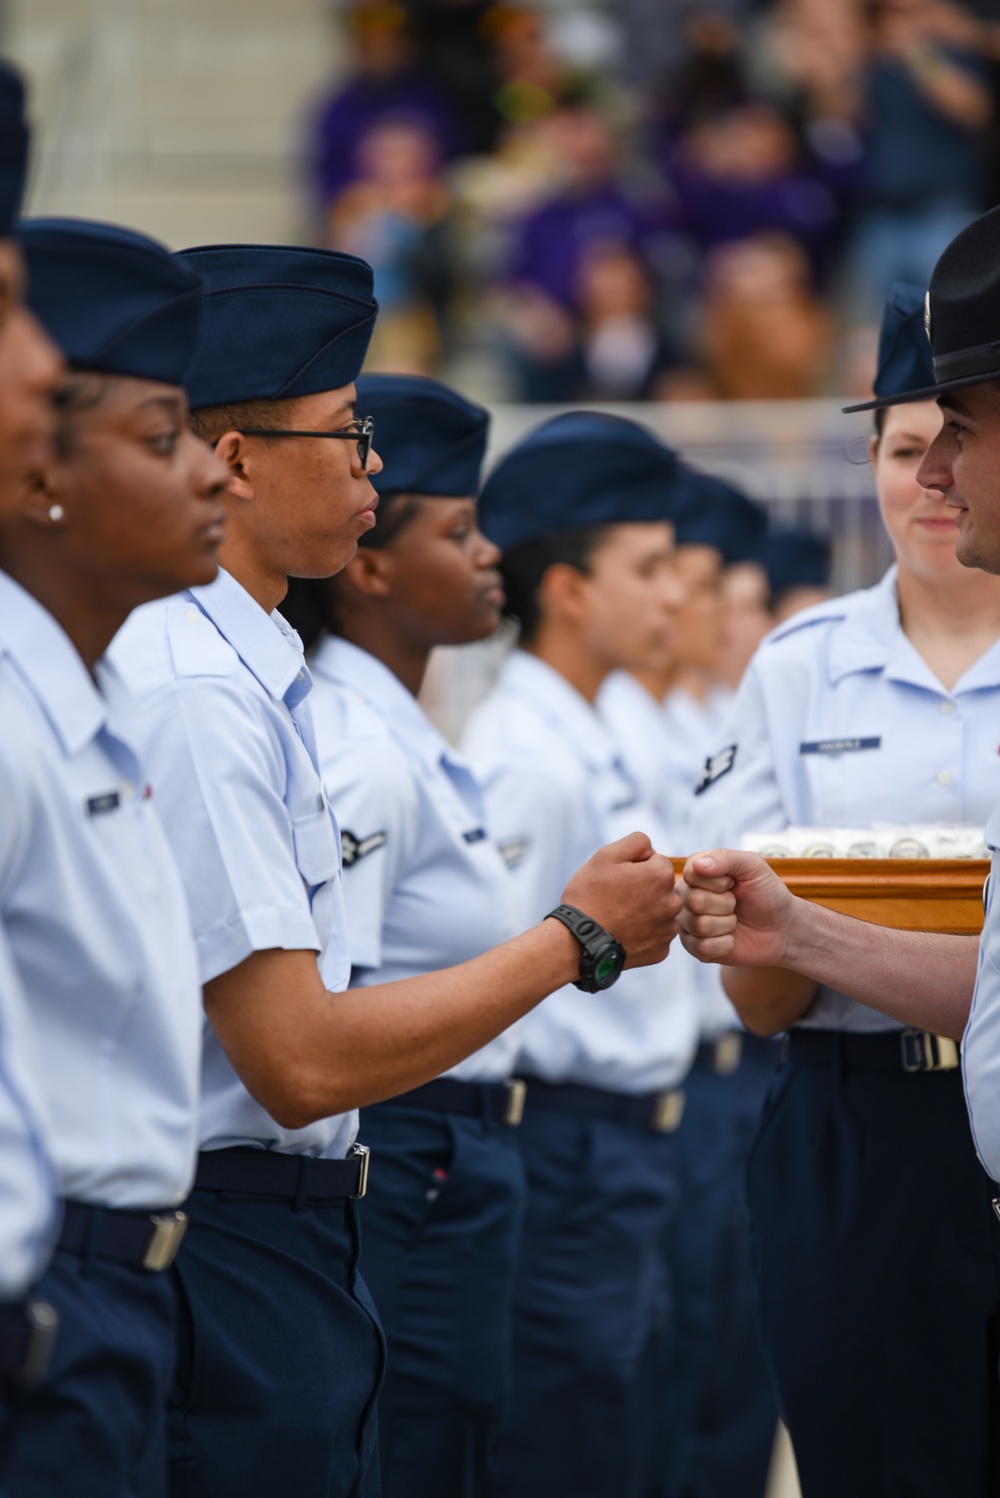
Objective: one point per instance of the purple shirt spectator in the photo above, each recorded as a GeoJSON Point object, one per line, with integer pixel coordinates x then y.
{"type": "Point", "coordinates": [347, 117]}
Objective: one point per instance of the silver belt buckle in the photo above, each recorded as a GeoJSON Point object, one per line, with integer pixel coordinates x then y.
{"type": "Point", "coordinates": [517, 1091]}
{"type": "Point", "coordinates": [995, 1204]}
{"type": "Point", "coordinates": [363, 1155]}
{"type": "Point", "coordinates": [921, 1052]}
{"type": "Point", "coordinates": [168, 1231]}
{"type": "Point", "coordinates": [668, 1110]}
{"type": "Point", "coordinates": [728, 1053]}
{"type": "Point", "coordinates": [43, 1323]}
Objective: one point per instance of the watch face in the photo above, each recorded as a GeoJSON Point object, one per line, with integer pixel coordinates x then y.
{"type": "Point", "coordinates": [606, 967]}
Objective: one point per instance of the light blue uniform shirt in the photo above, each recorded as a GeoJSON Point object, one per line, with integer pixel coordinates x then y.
{"type": "Point", "coordinates": [97, 922]}
{"type": "Point", "coordinates": [229, 738]}
{"type": "Point", "coordinates": [839, 722]}
{"type": "Point", "coordinates": [664, 761]}
{"type": "Point", "coordinates": [557, 789]}
{"type": "Point", "coordinates": [981, 1042]}
{"type": "Point", "coordinates": [426, 886]}
{"type": "Point", "coordinates": [28, 1187]}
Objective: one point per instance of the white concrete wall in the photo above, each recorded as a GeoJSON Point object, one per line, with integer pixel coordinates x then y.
{"type": "Point", "coordinates": [179, 117]}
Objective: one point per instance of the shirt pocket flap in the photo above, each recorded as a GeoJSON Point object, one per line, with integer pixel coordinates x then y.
{"type": "Point", "coordinates": [317, 854]}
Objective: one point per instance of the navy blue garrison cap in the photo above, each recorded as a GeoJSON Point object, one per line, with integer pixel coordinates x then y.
{"type": "Point", "coordinates": [714, 513]}
{"type": "Point", "coordinates": [13, 145]}
{"type": "Point", "coordinates": [905, 361]}
{"type": "Point", "coordinates": [113, 300]}
{"type": "Point", "coordinates": [575, 471]}
{"type": "Point", "coordinates": [280, 321]}
{"type": "Point", "coordinates": [431, 439]}
{"type": "Point", "coordinates": [796, 559]}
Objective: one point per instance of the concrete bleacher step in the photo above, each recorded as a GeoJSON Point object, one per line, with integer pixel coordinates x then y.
{"type": "Point", "coordinates": [181, 117]}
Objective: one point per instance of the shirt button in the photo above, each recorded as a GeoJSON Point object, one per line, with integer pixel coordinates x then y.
{"type": "Point", "coordinates": [947, 708]}
{"type": "Point", "coordinates": [191, 616]}
{"type": "Point", "coordinates": [128, 789]}
{"type": "Point", "coordinates": [943, 777]}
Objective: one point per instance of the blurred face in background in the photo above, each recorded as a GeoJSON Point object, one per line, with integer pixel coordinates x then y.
{"type": "Point", "coordinates": [627, 601]}
{"type": "Point", "coordinates": [30, 370]}
{"type": "Point", "coordinates": [700, 628]}
{"type": "Point", "coordinates": [922, 529]}
{"type": "Point", "coordinates": [745, 594]}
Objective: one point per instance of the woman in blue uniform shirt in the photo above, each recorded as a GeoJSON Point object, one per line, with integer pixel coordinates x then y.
{"type": "Point", "coordinates": [426, 887]}
{"type": "Point", "coordinates": [877, 1259]}
{"type": "Point", "coordinates": [125, 508]}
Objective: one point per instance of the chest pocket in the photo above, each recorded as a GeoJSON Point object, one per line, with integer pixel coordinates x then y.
{"type": "Point", "coordinates": [317, 855]}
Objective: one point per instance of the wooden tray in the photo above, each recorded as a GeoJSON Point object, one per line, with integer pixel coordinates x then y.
{"type": "Point", "coordinates": [911, 894]}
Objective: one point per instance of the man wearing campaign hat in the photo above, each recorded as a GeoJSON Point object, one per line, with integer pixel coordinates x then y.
{"type": "Point", "coordinates": [426, 887]}
{"type": "Point", "coordinates": [863, 1172]}
{"type": "Point", "coordinates": [278, 1378]}
{"type": "Point", "coordinates": [124, 508]}
{"type": "Point", "coordinates": [583, 510]}
{"type": "Point", "coordinates": [29, 371]}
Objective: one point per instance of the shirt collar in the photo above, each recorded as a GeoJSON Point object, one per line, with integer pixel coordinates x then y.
{"type": "Point", "coordinates": [563, 706]}
{"type": "Point", "coordinates": [872, 638]}
{"type": "Point", "coordinates": [265, 643]}
{"type": "Point", "coordinates": [347, 665]}
{"type": "Point", "coordinates": [52, 668]}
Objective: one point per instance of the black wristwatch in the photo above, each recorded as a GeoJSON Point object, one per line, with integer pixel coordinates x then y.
{"type": "Point", "coordinates": [601, 957]}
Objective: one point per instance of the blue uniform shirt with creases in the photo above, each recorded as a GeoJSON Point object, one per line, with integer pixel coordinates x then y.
{"type": "Point", "coordinates": [557, 789]}
{"type": "Point", "coordinates": [425, 885]}
{"type": "Point", "coordinates": [97, 922]}
{"type": "Point", "coordinates": [840, 722]}
{"type": "Point", "coordinates": [228, 734]}
{"type": "Point", "coordinates": [28, 1188]}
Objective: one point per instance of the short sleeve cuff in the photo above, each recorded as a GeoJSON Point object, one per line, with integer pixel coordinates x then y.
{"type": "Point", "coordinates": [224, 947]}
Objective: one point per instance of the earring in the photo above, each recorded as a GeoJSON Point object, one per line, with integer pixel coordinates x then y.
{"type": "Point", "coordinates": [56, 513]}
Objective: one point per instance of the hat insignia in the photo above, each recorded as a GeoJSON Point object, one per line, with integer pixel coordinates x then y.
{"type": "Point", "coordinates": [927, 315]}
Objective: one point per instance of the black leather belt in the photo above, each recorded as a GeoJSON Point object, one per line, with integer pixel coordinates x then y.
{"type": "Point", "coordinates": [27, 1334]}
{"type": "Point", "coordinates": [245, 1171]}
{"type": "Point", "coordinates": [887, 1050]}
{"type": "Point", "coordinates": [726, 1053]}
{"type": "Point", "coordinates": [658, 1112]}
{"type": "Point", "coordinates": [146, 1240]}
{"type": "Point", "coordinates": [496, 1102]}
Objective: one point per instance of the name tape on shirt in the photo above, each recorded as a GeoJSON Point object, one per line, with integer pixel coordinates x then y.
{"type": "Point", "coordinates": [476, 835]}
{"type": "Point", "coordinates": [96, 806]}
{"type": "Point", "coordinates": [839, 746]}
{"type": "Point", "coordinates": [513, 850]}
{"type": "Point", "coordinates": [354, 848]}
{"type": "Point", "coordinates": [716, 766]}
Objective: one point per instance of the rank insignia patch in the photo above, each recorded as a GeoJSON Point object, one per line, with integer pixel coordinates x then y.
{"type": "Point", "coordinates": [513, 850]}
{"type": "Point", "coordinates": [353, 848]}
{"type": "Point", "coordinates": [718, 765]}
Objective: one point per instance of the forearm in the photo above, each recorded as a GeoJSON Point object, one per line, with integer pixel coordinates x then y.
{"type": "Point", "coordinates": [391, 1037]}
{"type": "Point", "coordinates": [305, 1053]}
{"type": "Point", "coordinates": [768, 999]}
{"type": "Point", "coordinates": [921, 978]}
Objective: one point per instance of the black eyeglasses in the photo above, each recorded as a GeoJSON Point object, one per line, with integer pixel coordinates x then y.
{"type": "Point", "coordinates": [360, 430]}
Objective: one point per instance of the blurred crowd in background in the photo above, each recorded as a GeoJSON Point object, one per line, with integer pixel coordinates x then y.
{"type": "Point", "coordinates": [652, 199]}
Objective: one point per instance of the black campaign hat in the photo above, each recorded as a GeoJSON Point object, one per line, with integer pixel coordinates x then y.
{"type": "Point", "coordinates": [963, 310]}
{"type": "Point", "coordinates": [905, 358]}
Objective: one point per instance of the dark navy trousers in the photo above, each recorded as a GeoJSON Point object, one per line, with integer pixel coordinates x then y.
{"type": "Point", "coordinates": [877, 1256]}
{"type": "Point", "coordinates": [280, 1353]}
{"type": "Point", "coordinates": [719, 1406]}
{"type": "Point", "coordinates": [592, 1306]}
{"type": "Point", "coordinates": [440, 1225]}
{"type": "Point", "coordinates": [96, 1426]}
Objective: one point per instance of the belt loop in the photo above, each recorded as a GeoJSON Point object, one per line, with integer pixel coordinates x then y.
{"type": "Point", "coordinates": [300, 1190]}
{"type": "Point", "coordinates": [91, 1233]}
{"type": "Point", "coordinates": [839, 1061]}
